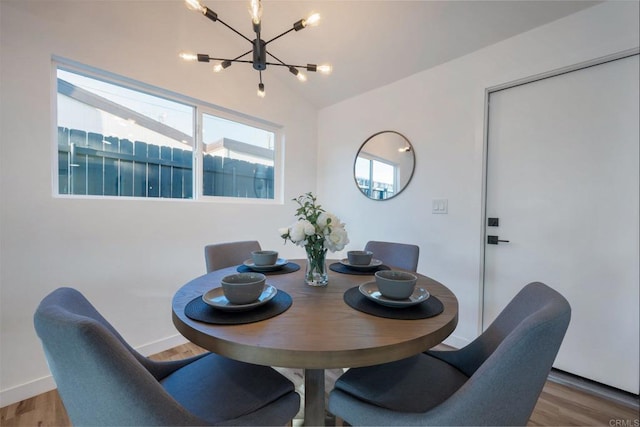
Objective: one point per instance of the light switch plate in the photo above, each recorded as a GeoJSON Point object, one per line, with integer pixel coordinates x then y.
{"type": "Point", "coordinates": [440, 206]}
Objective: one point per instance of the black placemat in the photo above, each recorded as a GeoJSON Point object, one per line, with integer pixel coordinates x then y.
{"type": "Point", "coordinates": [199, 310]}
{"type": "Point", "coordinates": [429, 308]}
{"type": "Point", "coordinates": [289, 267]}
{"type": "Point", "coordinates": [341, 268]}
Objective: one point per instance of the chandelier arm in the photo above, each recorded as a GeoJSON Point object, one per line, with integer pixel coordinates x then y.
{"type": "Point", "coordinates": [276, 58]}
{"type": "Point", "coordinates": [247, 61]}
{"type": "Point", "coordinates": [288, 65]}
{"type": "Point", "coordinates": [240, 56]}
{"type": "Point", "coordinates": [244, 61]}
{"type": "Point", "coordinates": [280, 35]}
{"type": "Point", "coordinates": [236, 59]}
{"type": "Point", "coordinates": [234, 30]}
{"type": "Point", "coordinates": [308, 67]}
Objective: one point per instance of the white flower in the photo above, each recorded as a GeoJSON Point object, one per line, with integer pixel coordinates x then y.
{"type": "Point", "coordinates": [309, 228]}
{"type": "Point", "coordinates": [337, 239]}
{"type": "Point", "coordinates": [316, 230]}
{"type": "Point", "coordinates": [284, 231]}
{"type": "Point", "coordinates": [326, 218]}
{"type": "Point", "coordinates": [297, 232]}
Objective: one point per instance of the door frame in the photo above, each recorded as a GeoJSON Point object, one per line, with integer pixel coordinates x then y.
{"type": "Point", "coordinates": [485, 147]}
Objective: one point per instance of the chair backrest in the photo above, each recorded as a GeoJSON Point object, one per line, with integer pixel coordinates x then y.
{"type": "Point", "coordinates": [400, 255]}
{"type": "Point", "coordinates": [100, 378]}
{"type": "Point", "coordinates": [509, 363]}
{"type": "Point", "coordinates": [223, 255]}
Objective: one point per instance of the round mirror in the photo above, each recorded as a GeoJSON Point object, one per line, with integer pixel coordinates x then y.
{"type": "Point", "coordinates": [384, 165]}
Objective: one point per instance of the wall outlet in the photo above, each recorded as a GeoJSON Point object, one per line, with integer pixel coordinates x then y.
{"type": "Point", "coordinates": [440, 206]}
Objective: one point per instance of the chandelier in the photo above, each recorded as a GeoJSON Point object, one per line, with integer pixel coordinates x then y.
{"type": "Point", "coordinates": [259, 47]}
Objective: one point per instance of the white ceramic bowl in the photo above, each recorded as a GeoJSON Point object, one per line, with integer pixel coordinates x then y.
{"type": "Point", "coordinates": [359, 257]}
{"type": "Point", "coordinates": [264, 257]}
{"type": "Point", "coordinates": [243, 288]}
{"type": "Point", "coordinates": [395, 284]}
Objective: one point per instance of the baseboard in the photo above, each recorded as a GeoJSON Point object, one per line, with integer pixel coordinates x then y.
{"type": "Point", "coordinates": [24, 391]}
{"type": "Point", "coordinates": [42, 385]}
{"type": "Point", "coordinates": [161, 345]}
{"type": "Point", "coordinates": [456, 341]}
{"type": "Point", "coordinates": [597, 389]}
{"type": "Point", "coordinates": [603, 391]}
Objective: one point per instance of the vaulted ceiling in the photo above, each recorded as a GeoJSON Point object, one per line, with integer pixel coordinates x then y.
{"type": "Point", "coordinates": [374, 43]}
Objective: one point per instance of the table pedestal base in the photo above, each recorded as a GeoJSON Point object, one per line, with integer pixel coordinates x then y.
{"type": "Point", "coordinates": [314, 407]}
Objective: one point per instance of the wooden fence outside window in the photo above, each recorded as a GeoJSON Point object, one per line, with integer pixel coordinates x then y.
{"type": "Point", "coordinates": [94, 164]}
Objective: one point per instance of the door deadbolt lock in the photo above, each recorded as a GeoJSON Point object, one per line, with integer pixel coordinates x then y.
{"type": "Point", "coordinates": [494, 240]}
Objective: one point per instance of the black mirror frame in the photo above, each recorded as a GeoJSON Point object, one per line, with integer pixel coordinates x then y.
{"type": "Point", "coordinates": [410, 148]}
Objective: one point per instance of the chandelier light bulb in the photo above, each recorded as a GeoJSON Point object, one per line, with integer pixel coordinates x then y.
{"type": "Point", "coordinates": [325, 69]}
{"type": "Point", "coordinates": [188, 56]}
{"type": "Point", "coordinates": [261, 92]}
{"type": "Point", "coordinates": [312, 21]}
{"type": "Point", "coordinates": [255, 10]}
{"type": "Point", "coordinates": [195, 5]}
{"type": "Point", "coordinates": [297, 73]}
{"type": "Point", "coordinates": [221, 66]}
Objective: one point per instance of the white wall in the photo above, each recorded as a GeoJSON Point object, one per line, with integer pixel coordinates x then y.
{"type": "Point", "coordinates": [441, 111]}
{"type": "Point", "coordinates": [127, 256]}
{"type": "Point", "coordinates": [130, 256]}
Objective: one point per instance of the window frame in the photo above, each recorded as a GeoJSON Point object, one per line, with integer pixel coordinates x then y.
{"type": "Point", "coordinates": [278, 148]}
{"type": "Point", "coordinates": [199, 109]}
{"type": "Point", "coordinates": [371, 159]}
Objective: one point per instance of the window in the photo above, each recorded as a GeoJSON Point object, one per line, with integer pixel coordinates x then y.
{"type": "Point", "coordinates": [237, 160]}
{"type": "Point", "coordinates": [129, 141]}
{"type": "Point", "coordinates": [376, 178]}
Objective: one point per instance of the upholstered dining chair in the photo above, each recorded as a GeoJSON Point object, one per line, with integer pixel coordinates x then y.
{"type": "Point", "coordinates": [400, 255]}
{"type": "Point", "coordinates": [495, 380]}
{"type": "Point", "coordinates": [223, 255]}
{"type": "Point", "coordinates": [104, 381]}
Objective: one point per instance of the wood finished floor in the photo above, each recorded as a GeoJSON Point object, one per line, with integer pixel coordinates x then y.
{"type": "Point", "coordinates": [559, 405]}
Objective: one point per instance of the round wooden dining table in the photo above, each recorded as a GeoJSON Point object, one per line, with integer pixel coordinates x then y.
{"type": "Point", "coordinates": [318, 331]}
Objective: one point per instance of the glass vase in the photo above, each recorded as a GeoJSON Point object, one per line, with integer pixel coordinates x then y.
{"type": "Point", "coordinates": [316, 269]}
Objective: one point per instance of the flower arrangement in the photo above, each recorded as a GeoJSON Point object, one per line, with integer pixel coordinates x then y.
{"type": "Point", "coordinates": [317, 231]}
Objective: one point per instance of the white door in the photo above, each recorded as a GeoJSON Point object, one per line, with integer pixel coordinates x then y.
{"type": "Point", "coordinates": [563, 180]}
